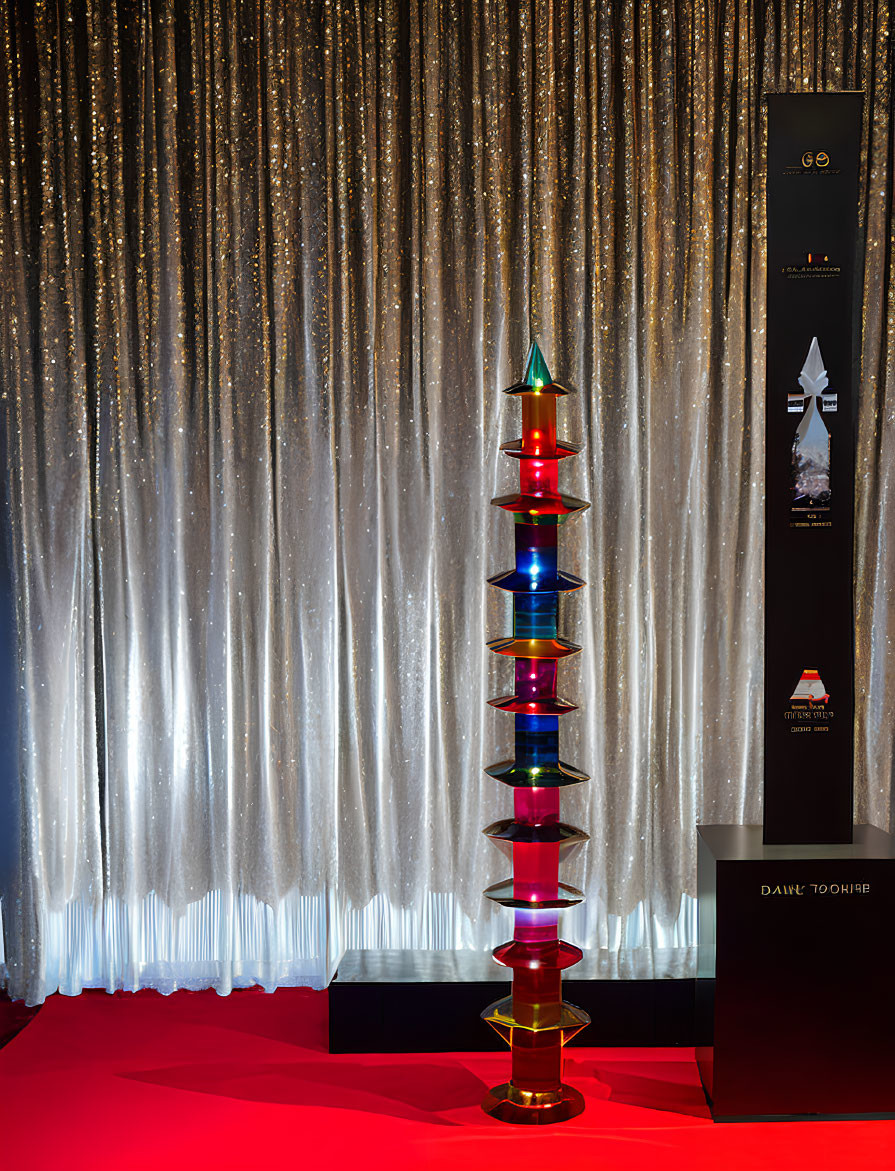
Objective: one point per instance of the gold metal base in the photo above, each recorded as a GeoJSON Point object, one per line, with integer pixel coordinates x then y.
{"type": "Point", "coordinates": [507, 1103]}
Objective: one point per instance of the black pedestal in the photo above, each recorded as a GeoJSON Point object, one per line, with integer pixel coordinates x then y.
{"type": "Point", "coordinates": [795, 979]}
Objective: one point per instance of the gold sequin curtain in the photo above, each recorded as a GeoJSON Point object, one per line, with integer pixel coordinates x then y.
{"type": "Point", "coordinates": [266, 267]}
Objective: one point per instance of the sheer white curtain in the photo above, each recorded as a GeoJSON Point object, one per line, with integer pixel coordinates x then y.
{"type": "Point", "coordinates": [265, 270]}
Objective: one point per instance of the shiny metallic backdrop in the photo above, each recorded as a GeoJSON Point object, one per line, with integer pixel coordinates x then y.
{"type": "Point", "coordinates": [265, 270]}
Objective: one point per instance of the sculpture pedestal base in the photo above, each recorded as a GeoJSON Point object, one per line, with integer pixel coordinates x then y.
{"type": "Point", "coordinates": [796, 953]}
{"type": "Point", "coordinates": [500, 1105]}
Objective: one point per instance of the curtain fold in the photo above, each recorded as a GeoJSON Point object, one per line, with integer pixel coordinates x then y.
{"type": "Point", "coordinates": [265, 270]}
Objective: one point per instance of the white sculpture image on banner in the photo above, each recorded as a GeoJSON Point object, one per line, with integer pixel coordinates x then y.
{"type": "Point", "coordinates": [811, 445]}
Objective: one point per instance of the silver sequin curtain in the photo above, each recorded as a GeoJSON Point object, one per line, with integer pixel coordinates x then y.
{"type": "Point", "coordinates": [266, 267]}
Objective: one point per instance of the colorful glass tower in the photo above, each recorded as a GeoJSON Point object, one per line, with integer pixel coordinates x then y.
{"type": "Point", "coordinates": [534, 1020]}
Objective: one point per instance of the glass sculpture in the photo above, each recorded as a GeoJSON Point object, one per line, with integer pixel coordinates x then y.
{"type": "Point", "coordinates": [534, 1020]}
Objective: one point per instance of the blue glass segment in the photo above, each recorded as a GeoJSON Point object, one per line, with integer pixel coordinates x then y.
{"type": "Point", "coordinates": [537, 740]}
{"type": "Point", "coordinates": [535, 615]}
{"type": "Point", "coordinates": [536, 564]}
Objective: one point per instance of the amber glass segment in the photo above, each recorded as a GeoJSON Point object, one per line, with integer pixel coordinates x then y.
{"type": "Point", "coordinates": [537, 998]}
{"type": "Point", "coordinates": [534, 1020]}
{"type": "Point", "coordinates": [539, 424]}
{"type": "Point", "coordinates": [533, 648]}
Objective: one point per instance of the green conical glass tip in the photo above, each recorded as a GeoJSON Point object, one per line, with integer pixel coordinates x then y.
{"type": "Point", "coordinates": [536, 372]}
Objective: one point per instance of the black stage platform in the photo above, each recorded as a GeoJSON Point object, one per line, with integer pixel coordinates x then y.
{"type": "Point", "coordinates": [430, 1001]}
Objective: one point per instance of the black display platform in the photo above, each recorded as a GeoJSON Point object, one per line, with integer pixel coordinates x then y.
{"type": "Point", "coordinates": [430, 1001]}
{"type": "Point", "coordinates": [795, 978]}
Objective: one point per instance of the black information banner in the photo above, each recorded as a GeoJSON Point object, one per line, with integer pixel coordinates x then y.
{"type": "Point", "coordinates": [811, 409]}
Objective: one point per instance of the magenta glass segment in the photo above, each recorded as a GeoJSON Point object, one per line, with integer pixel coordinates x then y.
{"type": "Point", "coordinates": [536, 806]}
{"type": "Point", "coordinates": [536, 871]}
{"type": "Point", "coordinates": [536, 678]}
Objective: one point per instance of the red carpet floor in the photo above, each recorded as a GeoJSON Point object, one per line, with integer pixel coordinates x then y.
{"type": "Point", "coordinates": [197, 1081]}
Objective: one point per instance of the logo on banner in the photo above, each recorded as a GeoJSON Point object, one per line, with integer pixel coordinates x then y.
{"type": "Point", "coordinates": [809, 705]}
{"type": "Point", "coordinates": [816, 266]}
{"type": "Point", "coordinates": [812, 162]}
{"type": "Point", "coordinates": [810, 159]}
